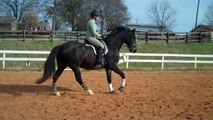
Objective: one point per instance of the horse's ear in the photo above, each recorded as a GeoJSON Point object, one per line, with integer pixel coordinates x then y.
{"type": "Point", "coordinates": [133, 30]}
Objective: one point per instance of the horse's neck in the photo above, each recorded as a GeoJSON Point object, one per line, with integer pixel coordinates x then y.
{"type": "Point", "coordinates": [114, 44]}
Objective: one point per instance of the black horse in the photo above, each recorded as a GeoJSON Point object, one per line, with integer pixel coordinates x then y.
{"type": "Point", "coordinates": [78, 55]}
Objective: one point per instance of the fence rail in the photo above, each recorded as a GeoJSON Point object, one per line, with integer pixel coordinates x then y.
{"type": "Point", "coordinates": [124, 58]}
{"type": "Point", "coordinates": [43, 35]}
{"type": "Point", "coordinates": [4, 57]}
{"type": "Point", "coordinates": [167, 58]}
{"type": "Point", "coordinates": [80, 35]}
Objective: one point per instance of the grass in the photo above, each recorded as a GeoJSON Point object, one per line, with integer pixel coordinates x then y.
{"type": "Point", "coordinates": [176, 48]}
{"type": "Point", "coordinates": [28, 45]}
{"type": "Point", "coordinates": [181, 48]}
{"type": "Point", "coordinates": [152, 47]}
{"type": "Point", "coordinates": [155, 47]}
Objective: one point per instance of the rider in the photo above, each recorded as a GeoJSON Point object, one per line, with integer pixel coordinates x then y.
{"type": "Point", "coordinates": [93, 36]}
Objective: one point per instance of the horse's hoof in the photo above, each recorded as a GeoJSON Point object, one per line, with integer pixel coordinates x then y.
{"type": "Point", "coordinates": [114, 92]}
{"type": "Point", "coordinates": [121, 89]}
{"type": "Point", "coordinates": [90, 92]}
{"type": "Point", "coordinates": [57, 93]}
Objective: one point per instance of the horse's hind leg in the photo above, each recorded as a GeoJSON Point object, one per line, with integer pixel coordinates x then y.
{"type": "Point", "coordinates": [56, 75]}
{"type": "Point", "coordinates": [78, 78]}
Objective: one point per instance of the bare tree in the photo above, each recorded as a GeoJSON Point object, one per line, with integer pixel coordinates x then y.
{"type": "Point", "coordinates": [70, 11]}
{"type": "Point", "coordinates": [63, 11]}
{"type": "Point", "coordinates": [162, 14]}
{"type": "Point", "coordinates": [16, 8]}
{"type": "Point", "coordinates": [76, 12]}
{"type": "Point", "coordinates": [209, 14]}
{"type": "Point", "coordinates": [113, 13]}
{"type": "Point", "coordinates": [51, 9]}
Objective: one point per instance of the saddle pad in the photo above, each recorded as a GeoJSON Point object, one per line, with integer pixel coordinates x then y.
{"type": "Point", "coordinates": [94, 50]}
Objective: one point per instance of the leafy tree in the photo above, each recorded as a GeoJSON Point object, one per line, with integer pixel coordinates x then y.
{"type": "Point", "coordinates": [29, 21]}
{"type": "Point", "coordinates": [162, 14]}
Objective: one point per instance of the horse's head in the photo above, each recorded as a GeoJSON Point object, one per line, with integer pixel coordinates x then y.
{"type": "Point", "coordinates": [130, 40]}
{"type": "Point", "coordinates": [124, 35]}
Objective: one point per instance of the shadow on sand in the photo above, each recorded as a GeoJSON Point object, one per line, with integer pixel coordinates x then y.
{"type": "Point", "coordinates": [19, 90]}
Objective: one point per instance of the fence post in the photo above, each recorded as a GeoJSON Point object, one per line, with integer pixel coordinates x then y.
{"type": "Point", "coordinates": [167, 37]}
{"type": "Point", "coordinates": [3, 62]}
{"type": "Point", "coordinates": [186, 40]}
{"type": "Point", "coordinates": [146, 37]}
{"type": "Point", "coordinates": [162, 64]}
{"type": "Point", "coordinates": [126, 60]}
{"type": "Point", "coordinates": [24, 35]}
{"type": "Point", "coordinates": [65, 37]}
{"type": "Point", "coordinates": [78, 37]}
{"type": "Point", "coordinates": [200, 37]}
{"type": "Point", "coordinates": [51, 36]}
{"type": "Point", "coordinates": [195, 65]}
{"type": "Point", "coordinates": [211, 36]}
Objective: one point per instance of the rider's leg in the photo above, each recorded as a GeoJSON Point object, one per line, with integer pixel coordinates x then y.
{"type": "Point", "coordinates": [95, 42]}
{"type": "Point", "coordinates": [100, 50]}
{"type": "Point", "coordinates": [99, 57]}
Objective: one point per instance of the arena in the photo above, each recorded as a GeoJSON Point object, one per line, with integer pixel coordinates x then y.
{"type": "Point", "coordinates": [155, 95]}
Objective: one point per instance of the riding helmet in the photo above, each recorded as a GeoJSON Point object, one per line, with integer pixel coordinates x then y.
{"type": "Point", "coordinates": [94, 13]}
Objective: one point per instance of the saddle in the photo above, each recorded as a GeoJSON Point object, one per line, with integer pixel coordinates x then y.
{"type": "Point", "coordinates": [95, 48]}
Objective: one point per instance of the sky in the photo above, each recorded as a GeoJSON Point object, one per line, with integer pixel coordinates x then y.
{"type": "Point", "coordinates": [186, 12]}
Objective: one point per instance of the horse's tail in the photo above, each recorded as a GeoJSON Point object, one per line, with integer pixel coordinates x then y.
{"type": "Point", "coordinates": [49, 67]}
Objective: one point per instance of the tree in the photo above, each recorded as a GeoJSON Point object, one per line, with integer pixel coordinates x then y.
{"type": "Point", "coordinates": [16, 8]}
{"type": "Point", "coordinates": [62, 11]}
{"type": "Point", "coordinates": [29, 21]}
{"type": "Point", "coordinates": [113, 13]}
{"type": "Point", "coordinates": [71, 11]}
{"type": "Point", "coordinates": [209, 14]}
{"type": "Point", "coordinates": [77, 12]}
{"type": "Point", "coordinates": [52, 11]}
{"type": "Point", "coordinates": [162, 14]}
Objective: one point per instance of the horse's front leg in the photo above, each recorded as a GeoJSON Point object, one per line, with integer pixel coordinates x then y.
{"type": "Point", "coordinates": [123, 83]}
{"type": "Point", "coordinates": [117, 70]}
{"type": "Point", "coordinates": [109, 79]}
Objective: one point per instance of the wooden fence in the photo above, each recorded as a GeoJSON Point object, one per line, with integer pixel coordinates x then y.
{"type": "Point", "coordinates": [80, 35]}
{"type": "Point", "coordinates": [42, 35]}
{"type": "Point", "coordinates": [175, 36]}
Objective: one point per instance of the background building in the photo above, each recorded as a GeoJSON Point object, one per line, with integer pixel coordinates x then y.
{"type": "Point", "coordinates": [8, 23]}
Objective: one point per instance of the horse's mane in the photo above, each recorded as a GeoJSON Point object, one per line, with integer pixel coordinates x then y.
{"type": "Point", "coordinates": [119, 28]}
{"type": "Point", "coordinates": [115, 31]}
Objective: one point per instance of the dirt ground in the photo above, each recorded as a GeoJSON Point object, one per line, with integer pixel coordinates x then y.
{"type": "Point", "coordinates": [148, 95]}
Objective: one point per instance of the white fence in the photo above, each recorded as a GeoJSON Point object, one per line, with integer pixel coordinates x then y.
{"type": "Point", "coordinates": [125, 58]}
{"type": "Point", "coordinates": [4, 57]}
{"type": "Point", "coordinates": [167, 58]}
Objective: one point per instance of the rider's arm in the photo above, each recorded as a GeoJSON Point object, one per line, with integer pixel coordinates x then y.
{"type": "Point", "coordinates": [94, 30]}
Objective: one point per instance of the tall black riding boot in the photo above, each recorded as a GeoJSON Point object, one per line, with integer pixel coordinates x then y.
{"type": "Point", "coordinates": [99, 57]}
